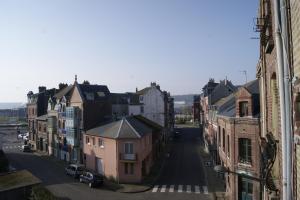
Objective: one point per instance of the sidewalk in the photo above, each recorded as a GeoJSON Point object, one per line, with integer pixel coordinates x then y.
{"type": "Point", "coordinates": [215, 184]}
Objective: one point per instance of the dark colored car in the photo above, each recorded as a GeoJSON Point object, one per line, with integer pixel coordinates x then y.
{"type": "Point", "coordinates": [74, 170]}
{"type": "Point", "coordinates": [91, 178]}
{"type": "Point", "coordinates": [26, 148]}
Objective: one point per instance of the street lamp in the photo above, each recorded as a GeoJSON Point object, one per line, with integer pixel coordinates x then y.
{"type": "Point", "coordinates": [222, 169]}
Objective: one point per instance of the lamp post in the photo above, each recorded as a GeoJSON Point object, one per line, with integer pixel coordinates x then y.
{"type": "Point", "coordinates": [222, 169]}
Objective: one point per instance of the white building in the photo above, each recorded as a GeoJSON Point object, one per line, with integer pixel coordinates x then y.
{"type": "Point", "coordinates": [154, 106]}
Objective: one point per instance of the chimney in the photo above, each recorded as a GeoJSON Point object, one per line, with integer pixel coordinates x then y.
{"type": "Point", "coordinates": [226, 80]}
{"type": "Point", "coordinates": [136, 89]}
{"type": "Point", "coordinates": [42, 89]}
{"type": "Point", "coordinates": [153, 84]}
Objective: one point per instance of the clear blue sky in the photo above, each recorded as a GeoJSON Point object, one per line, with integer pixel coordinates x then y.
{"type": "Point", "coordinates": [125, 44]}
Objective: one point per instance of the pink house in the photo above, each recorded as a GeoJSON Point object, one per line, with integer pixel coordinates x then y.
{"type": "Point", "coordinates": [121, 150]}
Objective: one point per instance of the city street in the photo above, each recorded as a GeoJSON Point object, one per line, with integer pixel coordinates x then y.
{"type": "Point", "coordinates": [182, 177]}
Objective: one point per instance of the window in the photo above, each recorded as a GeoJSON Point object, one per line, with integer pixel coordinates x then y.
{"type": "Point", "coordinates": [129, 168]}
{"type": "Point", "coordinates": [142, 109]}
{"type": "Point", "coordinates": [87, 140]}
{"type": "Point", "coordinates": [45, 128]}
{"type": "Point", "coordinates": [245, 150]}
{"type": "Point", "coordinates": [223, 142]}
{"type": "Point", "coordinates": [128, 148]}
{"type": "Point", "coordinates": [228, 146]}
{"type": "Point", "coordinates": [93, 141]}
{"type": "Point", "coordinates": [245, 189]}
{"type": "Point", "coordinates": [141, 98]}
{"type": "Point", "coordinates": [100, 143]}
{"type": "Point", "coordinates": [243, 106]}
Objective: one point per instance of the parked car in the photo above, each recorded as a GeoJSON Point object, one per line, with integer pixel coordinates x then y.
{"type": "Point", "coordinates": [23, 136]}
{"type": "Point", "coordinates": [26, 148]}
{"type": "Point", "coordinates": [74, 170]}
{"type": "Point", "coordinates": [91, 178]}
{"type": "Point", "coordinates": [20, 136]}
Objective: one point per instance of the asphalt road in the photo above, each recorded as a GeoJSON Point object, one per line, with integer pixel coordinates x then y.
{"type": "Point", "coordinates": [183, 167]}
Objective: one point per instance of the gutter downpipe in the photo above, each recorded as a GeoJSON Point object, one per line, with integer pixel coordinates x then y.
{"type": "Point", "coordinates": [287, 96]}
{"type": "Point", "coordinates": [280, 66]}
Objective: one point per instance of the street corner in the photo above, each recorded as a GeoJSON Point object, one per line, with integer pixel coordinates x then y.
{"type": "Point", "coordinates": [134, 188]}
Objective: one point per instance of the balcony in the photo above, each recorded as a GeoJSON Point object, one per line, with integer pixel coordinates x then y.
{"type": "Point", "coordinates": [125, 157]}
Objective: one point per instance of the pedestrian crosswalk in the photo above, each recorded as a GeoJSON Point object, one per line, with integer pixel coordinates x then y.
{"type": "Point", "coordinates": [196, 189]}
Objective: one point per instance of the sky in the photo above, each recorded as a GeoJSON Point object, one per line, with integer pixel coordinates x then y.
{"type": "Point", "coordinates": [125, 44]}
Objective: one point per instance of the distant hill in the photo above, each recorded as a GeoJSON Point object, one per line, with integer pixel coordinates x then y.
{"type": "Point", "coordinates": [183, 100]}
{"type": "Point", "coordinates": [12, 105]}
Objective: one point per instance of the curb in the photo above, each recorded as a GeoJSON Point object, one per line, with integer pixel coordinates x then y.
{"type": "Point", "coordinates": [135, 192]}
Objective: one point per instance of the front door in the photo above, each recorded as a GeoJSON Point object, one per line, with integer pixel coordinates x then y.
{"type": "Point", "coordinates": [144, 173]}
{"type": "Point", "coordinates": [41, 144]}
{"type": "Point", "coordinates": [99, 165]}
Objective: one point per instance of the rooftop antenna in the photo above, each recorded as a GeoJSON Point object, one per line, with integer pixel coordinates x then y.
{"type": "Point", "coordinates": [245, 73]}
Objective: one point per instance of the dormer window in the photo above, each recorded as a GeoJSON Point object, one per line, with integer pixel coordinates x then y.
{"type": "Point", "coordinates": [89, 96]}
{"type": "Point", "coordinates": [243, 106]}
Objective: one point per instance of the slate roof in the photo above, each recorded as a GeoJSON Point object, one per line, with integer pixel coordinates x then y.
{"type": "Point", "coordinates": [118, 98]}
{"type": "Point", "coordinates": [63, 92]}
{"type": "Point", "coordinates": [252, 86]}
{"type": "Point", "coordinates": [126, 128]}
{"type": "Point", "coordinates": [98, 92]}
{"type": "Point", "coordinates": [222, 90]}
{"type": "Point", "coordinates": [227, 106]}
{"type": "Point", "coordinates": [149, 122]}
{"type": "Point", "coordinates": [125, 98]}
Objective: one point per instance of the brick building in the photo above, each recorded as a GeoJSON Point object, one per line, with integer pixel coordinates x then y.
{"type": "Point", "coordinates": [37, 106]}
{"type": "Point", "coordinates": [237, 139]}
{"type": "Point", "coordinates": [295, 24]}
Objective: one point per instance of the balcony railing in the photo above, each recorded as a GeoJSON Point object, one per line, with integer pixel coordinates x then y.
{"type": "Point", "coordinates": [128, 157]}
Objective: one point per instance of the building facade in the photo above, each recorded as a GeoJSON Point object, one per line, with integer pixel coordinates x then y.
{"type": "Point", "coordinates": [121, 150]}
{"type": "Point", "coordinates": [237, 139]}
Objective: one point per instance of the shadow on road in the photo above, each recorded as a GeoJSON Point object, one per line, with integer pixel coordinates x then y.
{"type": "Point", "coordinates": [49, 171]}
{"type": "Point", "coordinates": [184, 166]}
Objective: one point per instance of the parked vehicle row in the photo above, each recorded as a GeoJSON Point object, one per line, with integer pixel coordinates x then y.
{"type": "Point", "coordinates": [23, 136]}
{"type": "Point", "coordinates": [78, 171]}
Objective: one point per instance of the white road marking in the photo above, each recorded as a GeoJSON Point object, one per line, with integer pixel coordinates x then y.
{"type": "Point", "coordinates": [163, 188]}
{"type": "Point", "coordinates": [171, 188]}
{"type": "Point", "coordinates": [205, 189]}
{"type": "Point", "coordinates": [197, 189]}
{"type": "Point", "coordinates": [180, 188]}
{"type": "Point", "coordinates": [189, 189]}
{"type": "Point", "coordinates": [155, 188]}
